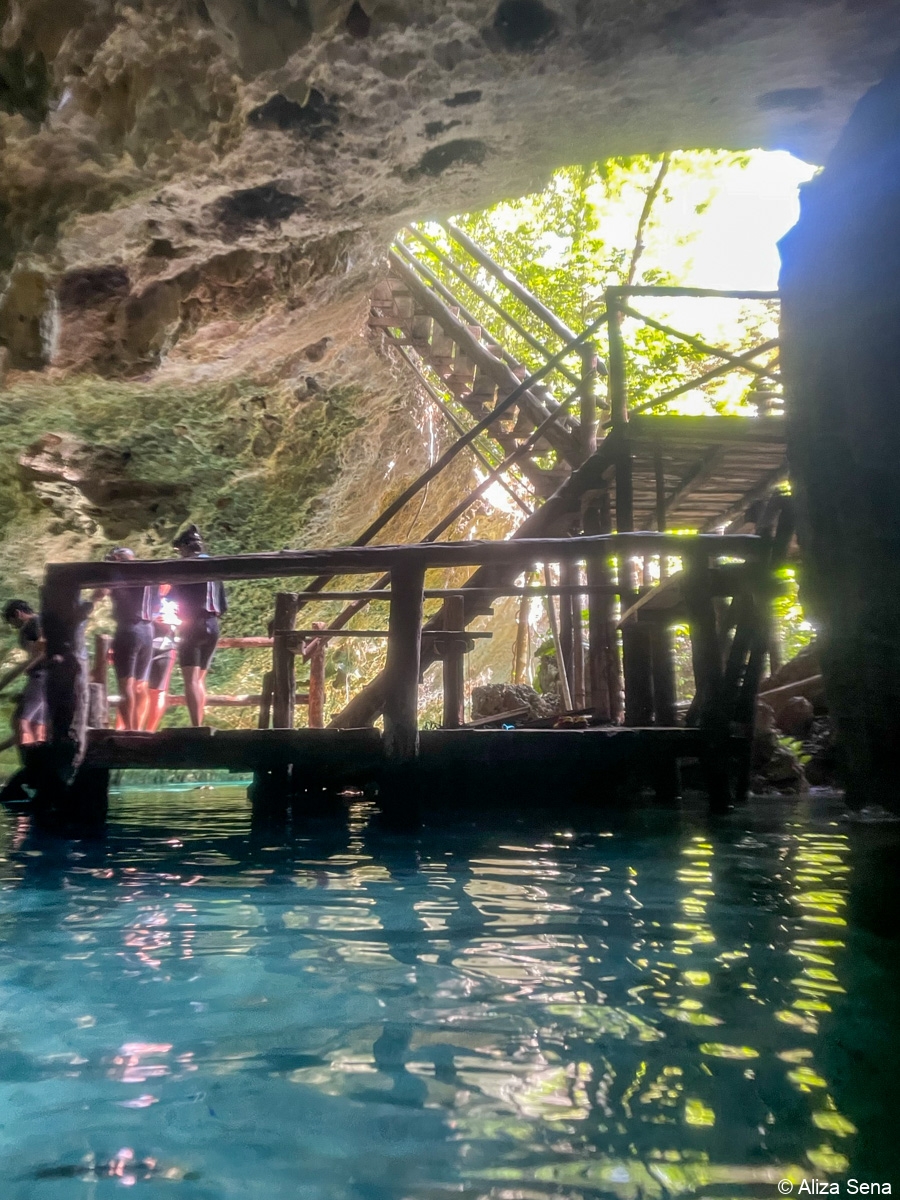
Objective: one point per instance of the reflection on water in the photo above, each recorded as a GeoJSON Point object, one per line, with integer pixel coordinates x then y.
{"type": "Point", "coordinates": [629, 1007]}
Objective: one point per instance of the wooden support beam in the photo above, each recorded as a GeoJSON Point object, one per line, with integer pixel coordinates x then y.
{"type": "Point", "coordinates": [618, 383]}
{"type": "Point", "coordinates": [401, 725]}
{"type": "Point", "coordinates": [567, 631]}
{"type": "Point", "coordinates": [454, 665]}
{"type": "Point", "coordinates": [695, 478]}
{"type": "Point", "coordinates": [283, 670]}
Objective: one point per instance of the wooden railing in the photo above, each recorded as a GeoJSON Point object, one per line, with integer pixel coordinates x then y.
{"type": "Point", "coordinates": [724, 690]}
{"type": "Point", "coordinates": [624, 404]}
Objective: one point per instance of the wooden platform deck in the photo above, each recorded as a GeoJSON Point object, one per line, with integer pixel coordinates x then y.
{"type": "Point", "coordinates": [481, 763]}
{"type": "Point", "coordinates": [701, 471]}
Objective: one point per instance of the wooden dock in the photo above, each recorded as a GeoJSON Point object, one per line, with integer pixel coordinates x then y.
{"type": "Point", "coordinates": [408, 765]}
{"type": "Point", "coordinates": [630, 471]}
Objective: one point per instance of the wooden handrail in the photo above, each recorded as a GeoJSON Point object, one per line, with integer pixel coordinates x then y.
{"type": "Point", "coordinates": [713, 351]}
{"type": "Point", "coordinates": [560, 438]}
{"type": "Point", "coordinates": [448, 413]}
{"type": "Point", "coordinates": [362, 560]}
{"type": "Point", "coordinates": [478, 290]}
{"type": "Point", "coordinates": [688, 292]}
{"type": "Point", "coordinates": [481, 256]}
{"type": "Point", "coordinates": [692, 384]}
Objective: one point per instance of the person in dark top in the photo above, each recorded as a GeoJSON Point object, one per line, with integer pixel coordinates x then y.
{"type": "Point", "coordinates": [200, 604]}
{"type": "Point", "coordinates": [132, 645]}
{"type": "Point", "coordinates": [31, 710]}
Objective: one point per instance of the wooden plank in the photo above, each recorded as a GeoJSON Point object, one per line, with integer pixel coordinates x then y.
{"type": "Point", "coordinates": [670, 430]}
{"type": "Point", "coordinates": [401, 725]}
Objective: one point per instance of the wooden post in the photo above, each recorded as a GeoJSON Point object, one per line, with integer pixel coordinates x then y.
{"type": "Point", "coordinates": [588, 414]}
{"type": "Point", "coordinates": [63, 618]}
{"type": "Point", "coordinates": [706, 653]}
{"type": "Point", "coordinates": [604, 668]}
{"type": "Point", "coordinates": [454, 664]}
{"type": "Point", "coordinates": [617, 383]}
{"type": "Point", "coordinates": [317, 681]}
{"type": "Point", "coordinates": [662, 652]}
{"type": "Point", "coordinates": [660, 481]}
{"type": "Point", "coordinates": [98, 707]}
{"type": "Point", "coordinates": [265, 704]}
{"type": "Point", "coordinates": [401, 726]}
{"type": "Point", "coordinates": [570, 575]}
{"type": "Point", "coordinates": [567, 630]}
{"type": "Point", "coordinates": [521, 654]}
{"type": "Point", "coordinates": [565, 691]}
{"type": "Point", "coordinates": [284, 682]}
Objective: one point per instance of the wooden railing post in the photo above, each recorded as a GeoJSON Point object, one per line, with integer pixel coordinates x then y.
{"type": "Point", "coordinates": [98, 707]}
{"type": "Point", "coordinates": [454, 664]}
{"type": "Point", "coordinates": [401, 726]}
{"type": "Point", "coordinates": [284, 675]}
{"type": "Point", "coordinates": [317, 681]}
{"type": "Point", "coordinates": [265, 702]}
{"type": "Point", "coordinates": [63, 618]}
{"type": "Point", "coordinates": [604, 669]}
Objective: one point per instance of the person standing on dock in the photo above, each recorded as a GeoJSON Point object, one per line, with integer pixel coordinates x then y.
{"type": "Point", "coordinates": [165, 624]}
{"type": "Point", "coordinates": [31, 710]}
{"type": "Point", "coordinates": [132, 645]}
{"type": "Point", "coordinates": [200, 604]}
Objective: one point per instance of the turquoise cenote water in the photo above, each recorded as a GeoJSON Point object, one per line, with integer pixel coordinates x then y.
{"type": "Point", "coordinates": [645, 1005]}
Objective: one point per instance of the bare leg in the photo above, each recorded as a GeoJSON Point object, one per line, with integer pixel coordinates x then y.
{"type": "Point", "coordinates": [195, 693]}
{"type": "Point", "coordinates": [128, 703]}
{"type": "Point", "coordinates": [156, 707]}
{"type": "Point", "coordinates": [140, 703]}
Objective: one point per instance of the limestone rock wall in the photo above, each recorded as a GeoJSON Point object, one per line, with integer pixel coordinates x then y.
{"type": "Point", "coordinates": [196, 196]}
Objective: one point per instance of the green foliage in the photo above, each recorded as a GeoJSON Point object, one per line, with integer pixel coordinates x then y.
{"type": "Point", "coordinates": [586, 230]}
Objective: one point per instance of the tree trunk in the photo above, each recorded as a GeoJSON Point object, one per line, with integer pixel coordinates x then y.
{"type": "Point", "coordinates": [841, 357]}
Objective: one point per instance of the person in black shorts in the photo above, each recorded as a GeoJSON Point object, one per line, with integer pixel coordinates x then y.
{"type": "Point", "coordinates": [161, 663]}
{"type": "Point", "coordinates": [132, 644]}
{"type": "Point", "coordinates": [31, 710]}
{"type": "Point", "coordinates": [200, 604]}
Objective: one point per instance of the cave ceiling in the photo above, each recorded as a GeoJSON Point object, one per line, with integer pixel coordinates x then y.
{"type": "Point", "coordinates": [186, 185]}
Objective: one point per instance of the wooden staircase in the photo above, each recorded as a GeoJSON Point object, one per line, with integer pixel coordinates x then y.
{"type": "Point", "coordinates": [418, 313]}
